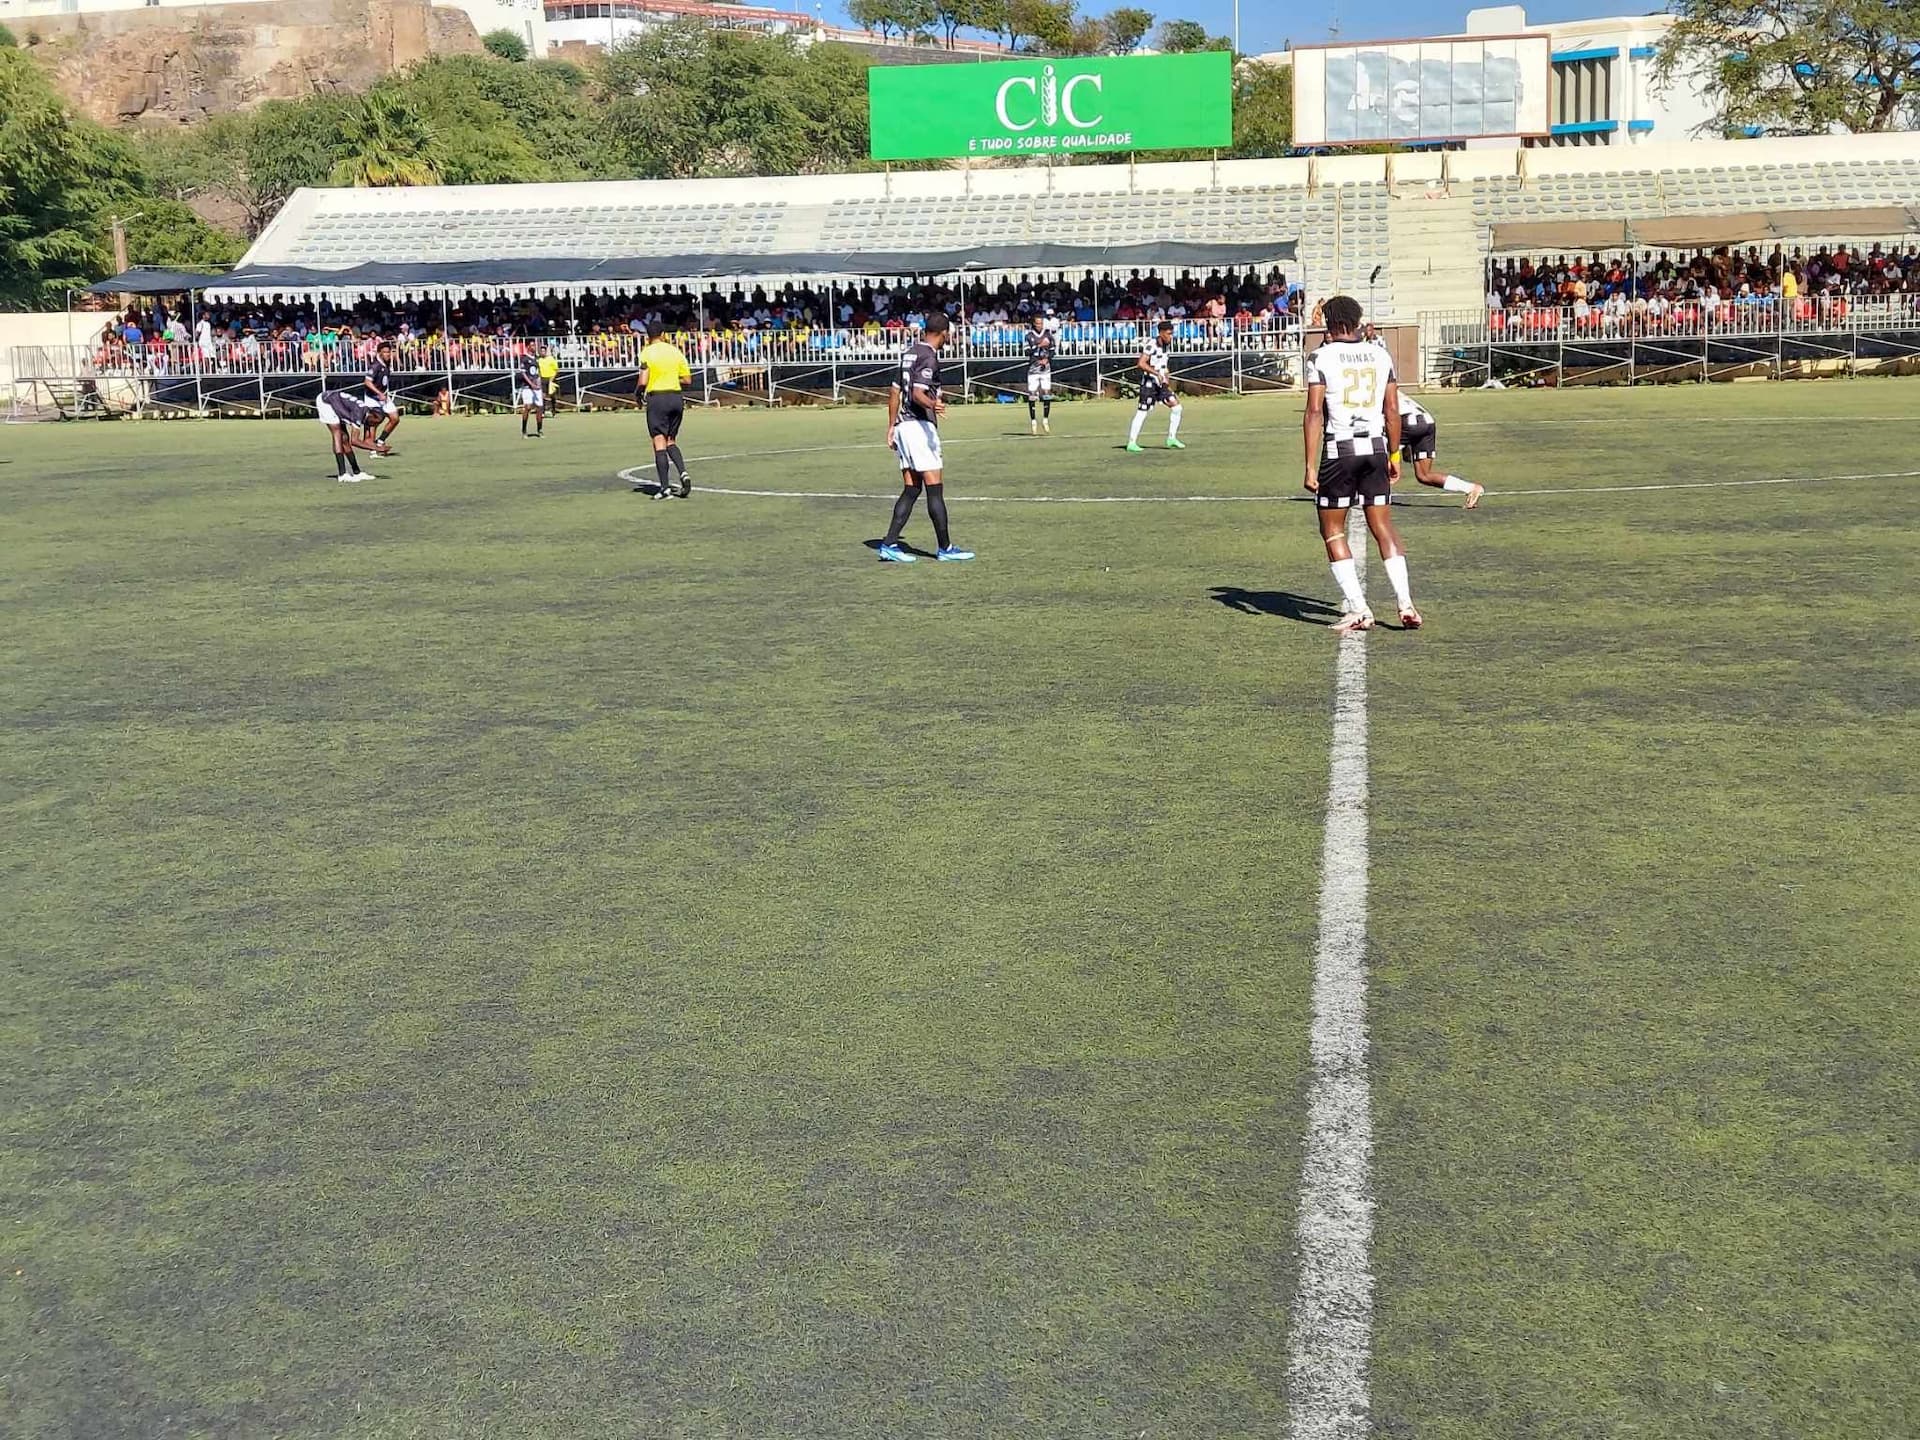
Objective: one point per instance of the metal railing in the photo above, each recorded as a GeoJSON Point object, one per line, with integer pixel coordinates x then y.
{"type": "Point", "coordinates": [1553, 344]}
{"type": "Point", "coordinates": [265, 375]}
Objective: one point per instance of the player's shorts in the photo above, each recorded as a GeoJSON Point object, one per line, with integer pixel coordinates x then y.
{"type": "Point", "coordinates": [326, 414]}
{"type": "Point", "coordinates": [531, 398]}
{"type": "Point", "coordinates": [1039, 382]}
{"type": "Point", "coordinates": [1349, 480]}
{"type": "Point", "coordinates": [1419, 441]}
{"type": "Point", "coordinates": [919, 445]}
{"type": "Point", "coordinates": [1155, 391]}
{"type": "Point", "coordinates": [664, 409]}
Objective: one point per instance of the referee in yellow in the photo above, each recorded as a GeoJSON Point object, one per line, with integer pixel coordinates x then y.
{"type": "Point", "coordinates": [664, 377]}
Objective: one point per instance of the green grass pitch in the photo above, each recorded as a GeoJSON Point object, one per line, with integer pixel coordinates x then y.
{"type": "Point", "coordinates": [490, 955]}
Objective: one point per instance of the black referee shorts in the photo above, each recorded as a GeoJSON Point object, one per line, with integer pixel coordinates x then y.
{"type": "Point", "coordinates": [664, 409]}
{"type": "Point", "coordinates": [1349, 480]}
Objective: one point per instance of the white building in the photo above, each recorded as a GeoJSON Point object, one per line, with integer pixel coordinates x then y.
{"type": "Point", "coordinates": [1603, 90]}
{"type": "Point", "coordinates": [1602, 86]}
{"type": "Point", "coordinates": [525, 18]}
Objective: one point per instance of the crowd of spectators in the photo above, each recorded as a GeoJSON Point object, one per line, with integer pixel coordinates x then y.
{"type": "Point", "coordinates": [739, 323]}
{"type": "Point", "coordinates": [1727, 289]}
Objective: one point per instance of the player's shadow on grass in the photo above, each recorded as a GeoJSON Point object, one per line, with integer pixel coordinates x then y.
{"type": "Point", "coordinates": [1304, 609]}
{"type": "Point", "coordinates": [906, 545]}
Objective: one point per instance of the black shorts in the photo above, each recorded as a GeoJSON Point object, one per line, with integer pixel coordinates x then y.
{"type": "Point", "coordinates": [664, 409]}
{"type": "Point", "coordinates": [1419, 442]}
{"type": "Point", "coordinates": [1154, 391]}
{"type": "Point", "coordinates": [1350, 480]}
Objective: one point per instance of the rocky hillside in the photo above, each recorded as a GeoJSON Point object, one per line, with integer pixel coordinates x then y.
{"type": "Point", "coordinates": [166, 65]}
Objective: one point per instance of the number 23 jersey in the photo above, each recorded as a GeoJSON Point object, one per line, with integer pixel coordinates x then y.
{"type": "Point", "coordinates": [1355, 376]}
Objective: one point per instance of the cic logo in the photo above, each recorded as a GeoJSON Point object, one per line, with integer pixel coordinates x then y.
{"type": "Point", "coordinates": [1046, 101]}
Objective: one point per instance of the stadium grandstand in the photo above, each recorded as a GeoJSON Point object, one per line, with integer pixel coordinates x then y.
{"type": "Point", "coordinates": [1415, 236]}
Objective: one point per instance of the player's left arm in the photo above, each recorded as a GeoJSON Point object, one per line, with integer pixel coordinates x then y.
{"type": "Point", "coordinates": [1393, 427]}
{"type": "Point", "coordinates": [893, 410]}
{"type": "Point", "coordinates": [1314, 424]}
{"type": "Point", "coordinates": [686, 370]}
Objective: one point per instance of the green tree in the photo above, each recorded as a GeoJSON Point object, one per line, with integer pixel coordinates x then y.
{"type": "Point", "coordinates": [505, 45]}
{"type": "Point", "coordinates": [59, 174]}
{"type": "Point", "coordinates": [1800, 67]}
{"type": "Point", "coordinates": [252, 160]}
{"type": "Point", "coordinates": [1180, 37]}
{"type": "Point", "coordinates": [1262, 111]}
{"type": "Point", "coordinates": [952, 16]}
{"type": "Point", "coordinates": [906, 17]}
{"type": "Point", "coordinates": [167, 233]}
{"type": "Point", "coordinates": [387, 142]}
{"type": "Point", "coordinates": [1127, 27]}
{"type": "Point", "coordinates": [1042, 24]}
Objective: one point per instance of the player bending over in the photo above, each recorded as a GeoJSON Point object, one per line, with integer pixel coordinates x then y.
{"type": "Point", "coordinates": [532, 396]}
{"type": "Point", "coordinates": [914, 408]}
{"type": "Point", "coordinates": [1156, 388]}
{"type": "Point", "coordinates": [1040, 346]}
{"type": "Point", "coordinates": [1420, 441]}
{"type": "Point", "coordinates": [379, 385]}
{"type": "Point", "coordinates": [343, 412]}
{"type": "Point", "coordinates": [1353, 438]}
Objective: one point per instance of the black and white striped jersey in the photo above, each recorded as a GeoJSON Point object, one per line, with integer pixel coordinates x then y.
{"type": "Point", "coordinates": [1355, 376]}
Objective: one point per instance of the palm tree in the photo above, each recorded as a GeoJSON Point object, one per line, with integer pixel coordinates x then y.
{"type": "Point", "coordinates": [388, 142]}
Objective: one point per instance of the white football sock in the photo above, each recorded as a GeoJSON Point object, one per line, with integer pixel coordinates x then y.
{"type": "Point", "coordinates": [1455, 484]}
{"type": "Point", "coordinates": [1346, 574]}
{"type": "Point", "coordinates": [1396, 568]}
{"type": "Point", "coordinates": [1173, 424]}
{"type": "Point", "coordinates": [1139, 419]}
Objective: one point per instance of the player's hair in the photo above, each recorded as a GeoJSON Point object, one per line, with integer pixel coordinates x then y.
{"type": "Point", "coordinates": [937, 323]}
{"type": "Point", "coordinates": [1342, 313]}
{"type": "Point", "coordinates": [655, 329]}
{"type": "Point", "coordinates": [384, 345]}
{"type": "Point", "coordinates": [1166, 325]}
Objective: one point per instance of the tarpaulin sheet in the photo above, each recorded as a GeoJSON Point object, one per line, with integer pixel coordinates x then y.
{"type": "Point", "coordinates": [532, 274]}
{"type": "Point", "coordinates": [1703, 231]}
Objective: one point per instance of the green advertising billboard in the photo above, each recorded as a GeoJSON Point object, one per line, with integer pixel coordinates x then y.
{"type": "Point", "coordinates": [1051, 106]}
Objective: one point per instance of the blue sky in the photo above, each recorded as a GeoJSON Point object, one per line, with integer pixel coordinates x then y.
{"type": "Point", "coordinates": [1268, 24]}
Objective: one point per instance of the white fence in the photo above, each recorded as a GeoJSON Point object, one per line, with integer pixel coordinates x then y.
{"type": "Point", "coordinates": [264, 375]}
{"type": "Point", "coordinates": [1687, 340]}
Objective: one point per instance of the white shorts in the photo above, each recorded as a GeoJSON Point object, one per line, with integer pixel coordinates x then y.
{"type": "Point", "coordinates": [531, 399]}
{"type": "Point", "coordinates": [918, 444]}
{"type": "Point", "coordinates": [1039, 382]}
{"type": "Point", "coordinates": [325, 414]}
{"type": "Point", "coordinates": [389, 405]}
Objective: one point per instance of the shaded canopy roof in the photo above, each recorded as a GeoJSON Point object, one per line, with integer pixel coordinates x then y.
{"type": "Point", "coordinates": [532, 275]}
{"type": "Point", "coordinates": [155, 280]}
{"type": "Point", "coordinates": [1702, 231]}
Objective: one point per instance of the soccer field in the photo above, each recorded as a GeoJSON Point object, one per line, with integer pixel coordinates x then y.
{"type": "Point", "coordinates": [493, 955]}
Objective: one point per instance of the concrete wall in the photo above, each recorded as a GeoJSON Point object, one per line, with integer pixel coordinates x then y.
{"type": "Point", "coordinates": [35, 328]}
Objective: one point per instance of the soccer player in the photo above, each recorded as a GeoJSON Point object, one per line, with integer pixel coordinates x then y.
{"type": "Point", "coordinates": [1420, 440]}
{"type": "Point", "coordinates": [664, 377]}
{"type": "Point", "coordinates": [379, 385]}
{"type": "Point", "coordinates": [1353, 440]}
{"type": "Point", "coordinates": [344, 412]}
{"type": "Point", "coordinates": [549, 367]}
{"type": "Point", "coordinates": [914, 408]}
{"type": "Point", "coordinates": [531, 398]}
{"type": "Point", "coordinates": [1156, 388]}
{"type": "Point", "coordinates": [1040, 346]}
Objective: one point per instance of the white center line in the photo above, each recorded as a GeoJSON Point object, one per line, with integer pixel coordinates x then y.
{"type": "Point", "coordinates": [1328, 1396]}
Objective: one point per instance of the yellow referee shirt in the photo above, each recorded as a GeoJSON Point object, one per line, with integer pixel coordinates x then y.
{"type": "Point", "coordinates": [666, 366]}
